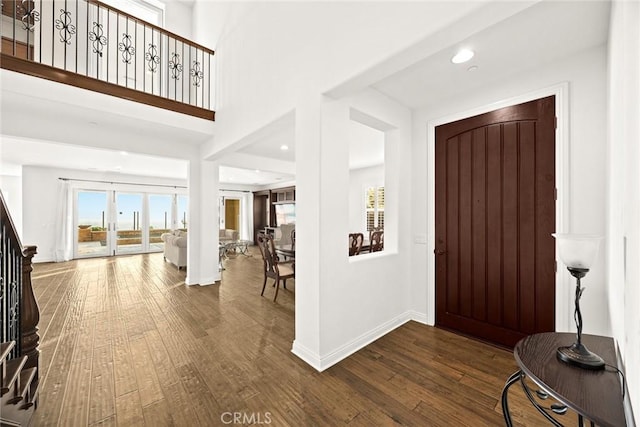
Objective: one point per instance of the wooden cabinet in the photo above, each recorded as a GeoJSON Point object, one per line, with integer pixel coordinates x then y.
{"type": "Point", "coordinates": [282, 195]}
{"type": "Point", "coordinates": [264, 213]}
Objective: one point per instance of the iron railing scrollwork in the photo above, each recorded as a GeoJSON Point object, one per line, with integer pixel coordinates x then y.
{"type": "Point", "coordinates": [97, 41]}
{"type": "Point", "coordinates": [196, 73]}
{"type": "Point", "coordinates": [127, 48]}
{"type": "Point", "coordinates": [65, 26]}
{"type": "Point", "coordinates": [152, 58]}
{"type": "Point", "coordinates": [175, 66]}
{"type": "Point", "coordinates": [29, 15]}
{"type": "Point", "coordinates": [98, 38]}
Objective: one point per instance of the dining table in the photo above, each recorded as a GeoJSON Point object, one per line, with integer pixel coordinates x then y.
{"type": "Point", "coordinates": [288, 251]}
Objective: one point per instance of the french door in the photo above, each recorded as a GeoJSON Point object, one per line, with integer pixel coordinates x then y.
{"type": "Point", "coordinates": [108, 222]}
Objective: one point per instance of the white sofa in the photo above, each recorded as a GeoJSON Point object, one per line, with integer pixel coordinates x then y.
{"type": "Point", "coordinates": [175, 248]}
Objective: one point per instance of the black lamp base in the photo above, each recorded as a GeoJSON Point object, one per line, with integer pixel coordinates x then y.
{"type": "Point", "coordinates": [580, 356]}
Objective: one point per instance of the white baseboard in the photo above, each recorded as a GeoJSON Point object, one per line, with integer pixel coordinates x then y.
{"type": "Point", "coordinates": [320, 363]}
{"type": "Point", "coordinates": [420, 317]}
{"type": "Point", "coordinates": [208, 281]}
{"type": "Point", "coordinates": [307, 355]}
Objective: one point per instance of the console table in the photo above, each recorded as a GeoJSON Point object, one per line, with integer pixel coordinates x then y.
{"type": "Point", "coordinates": [596, 396]}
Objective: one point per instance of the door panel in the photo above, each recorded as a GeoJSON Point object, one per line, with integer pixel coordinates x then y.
{"type": "Point", "coordinates": [495, 212]}
{"type": "Point", "coordinates": [232, 214]}
{"type": "Point", "coordinates": [160, 206]}
{"type": "Point", "coordinates": [128, 225]}
{"type": "Point", "coordinates": [92, 211]}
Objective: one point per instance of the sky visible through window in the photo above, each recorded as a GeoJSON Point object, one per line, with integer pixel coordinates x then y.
{"type": "Point", "coordinates": [92, 205]}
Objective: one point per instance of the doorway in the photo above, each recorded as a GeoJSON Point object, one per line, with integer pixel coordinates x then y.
{"type": "Point", "coordinates": [109, 222]}
{"type": "Point", "coordinates": [494, 215]}
{"type": "Point", "coordinates": [232, 214]}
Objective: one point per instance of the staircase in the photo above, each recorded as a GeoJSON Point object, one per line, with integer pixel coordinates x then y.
{"type": "Point", "coordinates": [19, 388]}
{"type": "Point", "coordinates": [19, 340]}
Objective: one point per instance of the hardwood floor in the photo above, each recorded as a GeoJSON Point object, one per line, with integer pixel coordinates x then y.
{"type": "Point", "coordinates": [124, 342]}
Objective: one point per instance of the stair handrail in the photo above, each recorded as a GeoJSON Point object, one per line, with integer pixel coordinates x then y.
{"type": "Point", "coordinates": [28, 311]}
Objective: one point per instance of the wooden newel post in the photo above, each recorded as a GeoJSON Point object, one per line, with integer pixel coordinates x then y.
{"type": "Point", "coordinates": [30, 313]}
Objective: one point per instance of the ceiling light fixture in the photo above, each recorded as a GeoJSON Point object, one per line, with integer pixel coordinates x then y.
{"type": "Point", "coordinates": [463, 55]}
{"type": "Point", "coordinates": [284, 147]}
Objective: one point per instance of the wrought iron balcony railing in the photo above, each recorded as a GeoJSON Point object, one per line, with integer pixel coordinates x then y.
{"type": "Point", "coordinates": [88, 44]}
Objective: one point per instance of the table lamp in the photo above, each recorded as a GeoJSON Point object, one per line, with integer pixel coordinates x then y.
{"type": "Point", "coordinates": [578, 252]}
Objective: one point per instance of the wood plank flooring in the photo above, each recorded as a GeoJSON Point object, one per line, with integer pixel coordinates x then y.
{"type": "Point", "coordinates": [124, 342]}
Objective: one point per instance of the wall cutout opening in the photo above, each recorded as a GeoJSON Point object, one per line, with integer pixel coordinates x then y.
{"type": "Point", "coordinates": [366, 189]}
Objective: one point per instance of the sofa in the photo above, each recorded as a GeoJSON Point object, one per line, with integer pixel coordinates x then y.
{"type": "Point", "coordinates": [175, 248]}
{"type": "Point", "coordinates": [228, 235]}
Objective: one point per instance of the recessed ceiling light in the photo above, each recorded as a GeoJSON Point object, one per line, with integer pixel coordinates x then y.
{"type": "Point", "coordinates": [284, 147]}
{"type": "Point", "coordinates": [462, 56]}
{"type": "Point", "coordinates": [472, 68]}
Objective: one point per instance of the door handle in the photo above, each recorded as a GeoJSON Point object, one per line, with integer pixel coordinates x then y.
{"type": "Point", "coordinates": [439, 252]}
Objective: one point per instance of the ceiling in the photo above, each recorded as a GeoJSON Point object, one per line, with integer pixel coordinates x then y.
{"type": "Point", "coordinates": [542, 33]}
{"type": "Point", "coordinates": [271, 145]}
{"type": "Point", "coordinates": [18, 151]}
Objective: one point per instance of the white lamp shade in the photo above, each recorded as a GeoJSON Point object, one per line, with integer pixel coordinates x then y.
{"type": "Point", "coordinates": [578, 250]}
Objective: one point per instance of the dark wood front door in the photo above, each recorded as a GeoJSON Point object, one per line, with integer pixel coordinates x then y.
{"type": "Point", "coordinates": [495, 212]}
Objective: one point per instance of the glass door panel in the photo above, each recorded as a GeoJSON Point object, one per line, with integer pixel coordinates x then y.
{"type": "Point", "coordinates": [159, 219]}
{"type": "Point", "coordinates": [128, 223]}
{"type": "Point", "coordinates": [91, 226]}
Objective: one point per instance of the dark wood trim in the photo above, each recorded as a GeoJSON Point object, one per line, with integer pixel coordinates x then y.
{"type": "Point", "coordinates": [35, 69]}
{"type": "Point", "coordinates": [18, 48]}
{"type": "Point", "coordinates": [30, 313]}
{"type": "Point", "coordinates": [160, 29]}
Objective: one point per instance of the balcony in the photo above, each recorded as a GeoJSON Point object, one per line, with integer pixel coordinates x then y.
{"type": "Point", "coordinates": [91, 45]}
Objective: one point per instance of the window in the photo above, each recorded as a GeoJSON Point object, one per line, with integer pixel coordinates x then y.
{"type": "Point", "coordinates": [374, 207]}
{"type": "Point", "coordinates": [151, 11]}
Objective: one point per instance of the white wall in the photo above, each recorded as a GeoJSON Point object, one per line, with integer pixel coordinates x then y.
{"type": "Point", "coordinates": [280, 51]}
{"type": "Point", "coordinates": [178, 18]}
{"type": "Point", "coordinates": [11, 186]}
{"type": "Point", "coordinates": [359, 181]}
{"type": "Point", "coordinates": [39, 201]}
{"type": "Point", "coordinates": [586, 74]}
{"type": "Point", "coordinates": [623, 273]}
{"type": "Point", "coordinates": [359, 298]}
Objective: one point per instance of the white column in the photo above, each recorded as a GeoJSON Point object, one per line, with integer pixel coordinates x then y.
{"type": "Point", "coordinates": [307, 323]}
{"type": "Point", "coordinates": [202, 246]}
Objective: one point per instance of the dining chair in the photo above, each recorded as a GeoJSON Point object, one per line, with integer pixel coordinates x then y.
{"type": "Point", "coordinates": [293, 239]}
{"type": "Point", "coordinates": [373, 230]}
{"type": "Point", "coordinates": [377, 241]}
{"type": "Point", "coordinates": [355, 243]}
{"type": "Point", "coordinates": [273, 268]}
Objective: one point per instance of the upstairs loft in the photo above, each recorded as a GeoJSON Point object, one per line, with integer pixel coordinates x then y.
{"type": "Point", "coordinates": [94, 46]}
